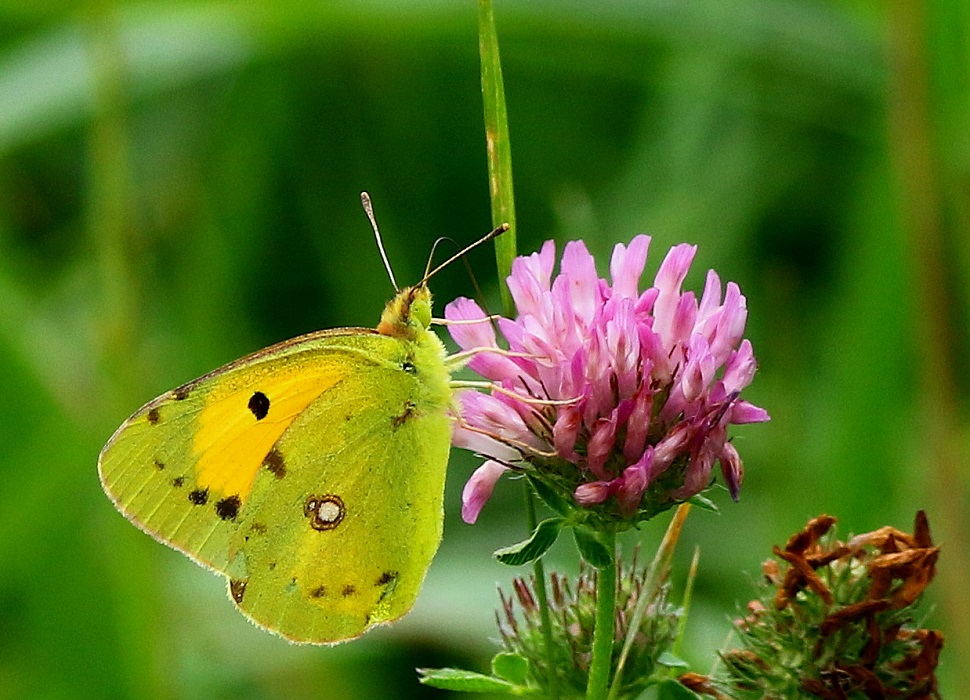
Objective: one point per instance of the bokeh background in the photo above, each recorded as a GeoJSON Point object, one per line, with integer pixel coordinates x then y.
{"type": "Point", "coordinates": [179, 186]}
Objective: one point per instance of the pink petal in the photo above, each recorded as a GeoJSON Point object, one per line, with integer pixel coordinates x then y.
{"type": "Point", "coordinates": [711, 298]}
{"type": "Point", "coordinates": [638, 424]}
{"type": "Point", "coordinates": [634, 483]}
{"type": "Point", "coordinates": [740, 368]}
{"type": "Point", "coordinates": [498, 416]}
{"type": "Point", "coordinates": [530, 278]}
{"type": "Point", "coordinates": [478, 489]}
{"type": "Point", "coordinates": [566, 431]}
{"type": "Point", "coordinates": [730, 324]}
{"type": "Point", "coordinates": [697, 476]}
{"type": "Point", "coordinates": [578, 271]}
{"type": "Point", "coordinates": [469, 335]}
{"type": "Point", "coordinates": [743, 412]}
{"type": "Point", "coordinates": [698, 369]}
{"type": "Point", "coordinates": [474, 441]}
{"type": "Point", "coordinates": [673, 269]}
{"type": "Point", "coordinates": [592, 493]}
{"type": "Point", "coordinates": [623, 344]}
{"type": "Point", "coordinates": [626, 266]}
{"type": "Point", "coordinates": [600, 445]}
{"type": "Point", "coordinates": [671, 446]}
{"type": "Point", "coordinates": [731, 469]}
{"type": "Point", "coordinates": [683, 321]}
{"type": "Point", "coordinates": [669, 278]}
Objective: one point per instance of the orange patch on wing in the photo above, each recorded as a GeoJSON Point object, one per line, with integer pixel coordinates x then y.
{"type": "Point", "coordinates": [231, 443]}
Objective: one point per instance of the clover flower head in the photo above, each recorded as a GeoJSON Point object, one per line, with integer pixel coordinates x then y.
{"type": "Point", "coordinates": [618, 397]}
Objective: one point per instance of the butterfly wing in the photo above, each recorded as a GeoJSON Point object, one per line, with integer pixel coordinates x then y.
{"type": "Point", "coordinates": [311, 474]}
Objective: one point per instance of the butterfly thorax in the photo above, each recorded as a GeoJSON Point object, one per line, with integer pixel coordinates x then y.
{"type": "Point", "coordinates": [408, 314]}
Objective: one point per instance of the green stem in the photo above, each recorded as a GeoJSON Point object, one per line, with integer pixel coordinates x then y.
{"type": "Point", "coordinates": [498, 149]}
{"type": "Point", "coordinates": [602, 658]}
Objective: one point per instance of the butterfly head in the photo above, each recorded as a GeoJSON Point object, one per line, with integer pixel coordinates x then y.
{"type": "Point", "coordinates": [407, 314]}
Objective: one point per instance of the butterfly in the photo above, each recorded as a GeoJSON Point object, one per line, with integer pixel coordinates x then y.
{"type": "Point", "coordinates": [310, 473]}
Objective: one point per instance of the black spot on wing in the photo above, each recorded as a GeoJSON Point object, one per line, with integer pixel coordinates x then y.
{"type": "Point", "coordinates": [228, 508]}
{"type": "Point", "coordinates": [401, 419]}
{"type": "Point", "coordinates": [386, 578]}
{"type": "Point", "coordinates": [255, 530]}
{"type": "Point", "coordinates": [159, 464]}
{"type": "Point", "coordinates": [199, 497]}
{"type": "Point", "coordinates": [259, 405]}
{"type": "Point", "coordinates": [318, 592]}
{"type": "Point", "coordinates": [237, 588]}
{"type": "Point", "coordinates": [181, 393]}
{"type": "Point", "coordinates": [275, 464]}
{"type": "Point", "coordinates": [348, 590]}
{"type": "Point", "coordinates": [178, 482]}
{"type": "Point", "coordinates": [152, 416]}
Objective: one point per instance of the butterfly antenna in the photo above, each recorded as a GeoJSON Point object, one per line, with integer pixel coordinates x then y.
{"type": "Point", "coordinates": [434, 248]}
{"type": "Point", "coordinates": [369, 210]}
{"type": "Point", "coordinates": [494, 233]}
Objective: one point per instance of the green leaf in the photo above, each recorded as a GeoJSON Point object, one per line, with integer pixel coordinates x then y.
{"type": "Point", "coordinates": [551, 497]}
{"type": "Point", "coordinates": [531, 549]}
{"type": "Point", "coordinates": [704, 502]}
{"type": "Point", "coordinates": [671, 661]}
{"type": "Point", "coordinates": [592, 550]}
{"type": "Point", "coordinates": [511, 667]}
{"type": "Point", "coordinates": [465, 681]}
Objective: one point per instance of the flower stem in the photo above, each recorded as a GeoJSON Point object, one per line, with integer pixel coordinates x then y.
{"type": "Point", "coordinates": [599, 669]}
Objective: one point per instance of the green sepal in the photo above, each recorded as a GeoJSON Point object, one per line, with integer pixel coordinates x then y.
{"type": "Point", "coordinates": [529, 550]}
{"type": "Point", "coordinates": [551, 497]}
{"type": "Point", "coordinates": [513, 668]}
{"type": "Point", "coordinates": [671, 661]}
{"type": "Point", "coordinates": [591, 549]}
{"type": "Point", "coordinates": [465, 681]}
{"type": "Point", "coordinates": [704, 502]}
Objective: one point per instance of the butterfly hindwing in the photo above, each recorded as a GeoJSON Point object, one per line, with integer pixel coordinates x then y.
{"type": "Point", "coordinates": [359, 511]}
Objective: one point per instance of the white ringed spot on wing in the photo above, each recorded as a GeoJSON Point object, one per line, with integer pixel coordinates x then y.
{"type": "Point", "coordinates": [325, 512]}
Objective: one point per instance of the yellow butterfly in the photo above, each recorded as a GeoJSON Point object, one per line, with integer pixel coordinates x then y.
{"type": "Point", "coordinates": [311, 473]}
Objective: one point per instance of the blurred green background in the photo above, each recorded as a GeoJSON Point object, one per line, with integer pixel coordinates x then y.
{"type": "Point", "coordinates": [179, 186]}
